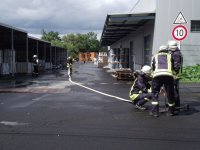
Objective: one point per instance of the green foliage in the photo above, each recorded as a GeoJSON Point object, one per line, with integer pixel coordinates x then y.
{"type": "Point", "coordinates": [191, 73]}
{"type": "Point", "coordinates": [74, 43]}
{"type": "Point", "coordinates": [50, 36]}
{"type": "Point", "coordinates": [81, 43]}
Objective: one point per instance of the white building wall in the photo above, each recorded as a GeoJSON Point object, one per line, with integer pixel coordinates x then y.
{"type": "Point", "coordinates": [144, 6]}
{"type": "Point", "coordinates": [138, 43]}
{"type": "Point", "coordinates": [166, 13]}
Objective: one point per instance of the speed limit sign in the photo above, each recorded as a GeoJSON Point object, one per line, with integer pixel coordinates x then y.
{"type": "Point", "coordinates": [179, 32]}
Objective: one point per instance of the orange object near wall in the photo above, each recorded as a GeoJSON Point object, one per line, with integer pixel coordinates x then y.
{"type": "Point", "coordinates": [87, 56]}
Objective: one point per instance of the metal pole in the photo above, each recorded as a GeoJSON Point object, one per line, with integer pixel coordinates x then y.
{"type": "Point", "coordinates": [51, 56]}
{"type": "Point", "coordinates": [134, 62]}
{"type": "Point", "coordinates": [27, 61]}
{"type": "Point", "coordinates": [12, 52]}
{"type": "Point", "coordinates": [37, 50]}
{"type": "Point", "coordinates": [56, 56]}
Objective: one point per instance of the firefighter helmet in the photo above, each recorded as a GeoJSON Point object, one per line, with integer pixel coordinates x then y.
{"type": "Point", "coordinates": [172, 45]}
{"type": "Point", "coordinates": [163, 48]}
{"type": "Point", "coordinates": [34, 56]}
{"type": "Point", "coordinates": [146, 69]}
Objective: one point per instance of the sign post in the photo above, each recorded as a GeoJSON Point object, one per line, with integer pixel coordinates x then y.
{"type": "Point", "coordinates": [179, 32]}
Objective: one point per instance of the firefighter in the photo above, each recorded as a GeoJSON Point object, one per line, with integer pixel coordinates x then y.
{"type": "Point", "coordinates": [162, 73]}
{"type": "Point", "coordinates": [69, 65]}
{"type": "Point", "coordinates": [139, 93]}
{"type": "Point", "coordinates": [35, 65]}
{"type": "Point", "coordinates": [178, 61]}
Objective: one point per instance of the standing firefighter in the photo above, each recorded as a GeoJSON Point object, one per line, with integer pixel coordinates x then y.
{"type": "Point", "coordinates": [69, 66]}
{"type": "Point", "coordinates": [162, 67]}
{"type": "Point", "coordinates": [178, 61]}
{"type": "Point", "coordinates": [139, 91]}
{"type": "Point", "coordinates": [35, 65]}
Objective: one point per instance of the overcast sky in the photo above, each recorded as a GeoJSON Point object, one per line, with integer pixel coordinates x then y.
{"type": "Point", "coordinates": [62, 16]}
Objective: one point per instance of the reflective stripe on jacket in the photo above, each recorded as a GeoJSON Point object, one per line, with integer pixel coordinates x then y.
{"type": "Point", "coordinates": [139, 86]}
{"type": "Point", "coordinates": [133, 96]}
{"type": "Point", "coordinates": [69, 65]}
{"type": "Point", "coordinates": [162, 64]}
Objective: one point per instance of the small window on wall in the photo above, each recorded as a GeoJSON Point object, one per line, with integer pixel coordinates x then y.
{"type": "Point", "coordinates": [147, 50]}
{"type": "Point", "coordinates": [195, 25]}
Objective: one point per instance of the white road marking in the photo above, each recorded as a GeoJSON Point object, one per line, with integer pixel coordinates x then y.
{"type": "Point", "coordinates": [9, 123]}
{"type": "Point", "coordinates": [116, 97]}
{"type": "Point", "coordinates": [103, 83]}
{"type": "Point", "coordinates": [38, 98]}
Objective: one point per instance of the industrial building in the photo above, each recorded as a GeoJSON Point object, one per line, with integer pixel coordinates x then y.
{"type": "Point", "coordinates": [134, 37]}
{"type": "Point", "coordinates": [17, 50]}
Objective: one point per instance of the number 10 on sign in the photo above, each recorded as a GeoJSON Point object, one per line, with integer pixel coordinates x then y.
{"type": "Point", "coordinates": [179, 32]}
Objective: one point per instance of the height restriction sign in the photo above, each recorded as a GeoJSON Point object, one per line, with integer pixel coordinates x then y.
{"type": "Point", "coordinates": [179, 32]}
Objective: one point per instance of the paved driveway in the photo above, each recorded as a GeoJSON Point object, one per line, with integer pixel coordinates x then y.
{"type": "Point", "coordinates": [92, 113]}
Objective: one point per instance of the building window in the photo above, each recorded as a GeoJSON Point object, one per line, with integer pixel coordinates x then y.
{"type": "Point", "coordinates": [147, 50]}
{"type": "Point", "coordinates": [195, 25]}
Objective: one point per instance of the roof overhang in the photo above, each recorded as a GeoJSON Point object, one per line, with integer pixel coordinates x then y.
{"type": "Point", "coordinates": [36, 39]}
{"type": "Point", "coordinates": [11, 27]}
{"type": "Point", "coordinates": [119, 25]}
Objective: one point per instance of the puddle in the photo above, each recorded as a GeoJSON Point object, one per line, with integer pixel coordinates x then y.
{"type": "Point", "coordinates": [57, 73]}
{"type": "Point", "coordinates": [19, 82]}
{"type": "Point", "coordinates": [24, 84]}
{"type": "Point", "coordinates": [44, 84]}
{"type": "Point", "coordinates": [15, 84]}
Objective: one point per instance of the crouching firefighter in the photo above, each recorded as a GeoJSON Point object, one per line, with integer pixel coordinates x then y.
{"type": "Point", "coordinates": [162, 73]}
{"type": "Point", "coordinates": [139, 93]}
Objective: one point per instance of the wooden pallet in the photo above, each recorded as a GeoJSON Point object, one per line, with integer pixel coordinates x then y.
{"type": "Point", "coordinates": [124, 75]}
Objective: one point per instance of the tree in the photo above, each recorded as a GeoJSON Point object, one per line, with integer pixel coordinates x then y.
{"type": "Point", "coordinates": [70, 42]}
{"type": "Point", "coordinates": [81, 42]}
{"type": "Point", "coordinates": [74, 43]}
{"type": "Point", "coordinates": [50, 36]}
{"type": "Point", "coordinates": [93, 43]}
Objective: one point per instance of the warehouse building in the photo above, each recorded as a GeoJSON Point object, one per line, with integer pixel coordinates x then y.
{"type": "Point", "coordinates": [134, 37]}
{"type": "Point", "coordinates": [17, 50]}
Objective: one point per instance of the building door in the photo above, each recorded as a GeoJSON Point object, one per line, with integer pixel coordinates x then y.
{"type": "Point", "coordinates": [131, 56]}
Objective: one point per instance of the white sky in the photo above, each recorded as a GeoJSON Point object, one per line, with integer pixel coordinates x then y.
{"type": "Point", "coordinates": [62, 16]}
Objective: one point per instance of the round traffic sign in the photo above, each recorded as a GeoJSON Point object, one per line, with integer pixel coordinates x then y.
{"type": "Point", "coordinates": [179, 32]}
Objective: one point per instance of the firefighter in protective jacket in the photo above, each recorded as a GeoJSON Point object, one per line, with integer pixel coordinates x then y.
{"type": "Point", "coordinates": [178, 62]}
{"type": "Point", "coordinates": [139, 93]}
{"type": "Point", "coordinates": [35, 65]}
{"type": "Point", "coordinates": [69, 66]}
{"type": "Point", "coordinates": [162, 73]}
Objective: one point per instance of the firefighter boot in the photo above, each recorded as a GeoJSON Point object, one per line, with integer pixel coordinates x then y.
{"type": "Point", "coordinates": [155, 111]}
{"type": "Point", "coordinates": [171, 111]}
{"type": "Point", "coordinates": [140, 104]}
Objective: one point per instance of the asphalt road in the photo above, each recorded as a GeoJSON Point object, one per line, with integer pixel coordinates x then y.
{"type": "Point", "coordinates": [90, 113]}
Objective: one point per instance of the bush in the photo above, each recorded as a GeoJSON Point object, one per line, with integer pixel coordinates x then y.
{"type": "Point", "coordinates": [191, 73]}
